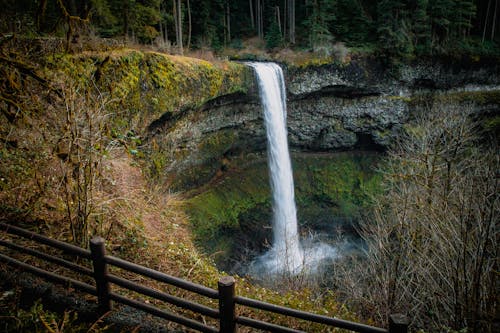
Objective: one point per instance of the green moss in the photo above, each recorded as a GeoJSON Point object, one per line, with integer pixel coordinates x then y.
{"type": "Point", "coordinates": [478, 97]}
{"type": "Point", "coordinates": [342, 185]}
{"type": "Point", "coordinates": [220, 207]}
{"type": "Point", "coordinates": [217, 143]}
{"type": "Point", "coordinates": [400, 98]}
{"type": "Point", "coordinates": [347, 182]}
{"type": "Point", "coordinates": [142, 86]}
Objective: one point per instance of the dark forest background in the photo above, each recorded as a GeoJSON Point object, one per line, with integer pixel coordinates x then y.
{"type": "Point", "coordinates": [402, 29]}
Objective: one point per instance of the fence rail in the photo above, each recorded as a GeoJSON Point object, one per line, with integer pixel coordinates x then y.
{"type": "Point", "coordinates": [228, 301]}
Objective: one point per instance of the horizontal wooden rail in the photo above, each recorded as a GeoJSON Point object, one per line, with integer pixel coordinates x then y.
{"type": "Point", "coordinates": [68, 248]}
{"type": "Point", "coordinates": [180, 302]}
{"type": "Point", "coordinates": [356, 327]}
{"type": "Point", "coordinates": [50, 276]}
{"type": "Point", "coordinates": [47, 257]}
{"type": "Point", "coordinates": [163, 314]}
{"type": "Point", "coordinates": [162, 277]}
{"type": "Point", "coordinates": [262, 325]}
{"type": "Point", "coordinates": [226, 313]}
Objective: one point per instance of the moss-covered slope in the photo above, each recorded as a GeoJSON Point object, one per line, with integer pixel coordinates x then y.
{"type": "Point", "coordinates": [144, 86]}
{"type": "Point", "coordinates": [232, 218]}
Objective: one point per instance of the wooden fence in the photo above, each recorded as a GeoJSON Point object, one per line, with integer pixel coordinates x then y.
{"type": "Point", "coordinates": [228, 301]}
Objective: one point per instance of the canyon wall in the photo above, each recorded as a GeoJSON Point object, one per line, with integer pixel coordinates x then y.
{"type": "Point", "coordinates": [335, 107]}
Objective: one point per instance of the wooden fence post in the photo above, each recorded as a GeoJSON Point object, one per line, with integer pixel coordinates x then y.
{"type": "Point", "coordinates": [98, 252]}
{"type": "Point", "coordinates": [398, 323]}
{"type": "Point", "coordinates": [227, 305]}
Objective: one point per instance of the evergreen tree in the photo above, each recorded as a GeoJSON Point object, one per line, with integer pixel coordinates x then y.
{"type": "Point", "coordinates": [103, 19]}
{"type": "Point", "coordinates": [440, 12]}
{"type": "Point", "coordinates": [394, 29]}
{"type": "Point", "coordinates": [273, 37]}
{"type": "Point", "coordinates": [402, 28]}
{"type": "Point", "coordinates": [351, 22]}
{"type": "Point", "coordinates": [318, 22]}
{"type": "Point", "coordinates": [463, 11]}
{"type": "Point", "coordinates": [421, 27]}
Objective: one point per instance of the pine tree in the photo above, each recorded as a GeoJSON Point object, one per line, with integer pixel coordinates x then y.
{"type": "Point", "coordinates": [274, 37]}
{"type": "Point", "coordinates": [394, 29]}
{"type": "Point", "coordinates": [318, 22]}
{"type": "Point", "coordinates": [421, 27]}
{"type": "Point", "coordinates": [351, 23]}
{"type": "Point", "coordinates": [440, 12]}
{"type": "Point", "coordinates": [460, 23]}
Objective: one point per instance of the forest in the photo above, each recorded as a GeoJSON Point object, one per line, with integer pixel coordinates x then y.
{"type": "Point", "coordinates": [396, 28]}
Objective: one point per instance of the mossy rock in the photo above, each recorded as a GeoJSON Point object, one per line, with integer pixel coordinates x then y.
{"type": "Point", "coordinates": [232, 218]}
{"type": "Point", "coordinates": [140, 87]}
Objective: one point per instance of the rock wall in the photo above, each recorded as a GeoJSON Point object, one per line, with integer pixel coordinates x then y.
{"type": "Point", "coordinates": [330, 108]}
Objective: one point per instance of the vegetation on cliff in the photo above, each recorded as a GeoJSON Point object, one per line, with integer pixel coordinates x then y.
{"type": "Point", "coordinates": [73, 157]}
{"type": "Point", "coordinates": [232, 217]}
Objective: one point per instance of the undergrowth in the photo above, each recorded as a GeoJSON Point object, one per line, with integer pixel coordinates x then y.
{"type": "Point", "coordinates": [36, 319]}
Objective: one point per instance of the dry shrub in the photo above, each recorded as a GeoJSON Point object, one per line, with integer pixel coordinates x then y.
{"type": "Point", "coordinates": [432, 246]}
{"type": "Point", "coordinates": [202, 53]}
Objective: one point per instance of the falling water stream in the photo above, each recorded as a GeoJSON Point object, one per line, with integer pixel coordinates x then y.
{"type": "Point", "coordinates": [286, 254]}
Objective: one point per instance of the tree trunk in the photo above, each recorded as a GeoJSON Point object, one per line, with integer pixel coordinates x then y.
{"type": "Point", "coordinates": [252, 18]}
{"type": "Point", "coordinates": [189, 24]}
{"type": "Point", "coordinates": [278, 17]}
{"type": "Point", "coordinates": [178, 24]}
{"type": "Point", "coordinates": [179, 21]}
{"type": "Point", "coordinates": [291, 21]}
{"type": "Point", "coordinates": [40, 15]}
{"type": "Point", "coordinates": [260, 21]}
{"type": "Point", "coordinates": [163, 23]}
{"type": "Point", "coordinates": [162, 36]}
{"type": "Point", "coordinates": [227, 25]}
{"type": "Point", "coordinates": [126, 19]}
{"type": "Point", "coordinates": [494, 20]}
{"type": "Point", "coordinates": [486, 19]}
{"type": "Point", "coordinates": [286, 22]}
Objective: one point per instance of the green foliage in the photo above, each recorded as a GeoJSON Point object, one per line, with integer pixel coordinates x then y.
{"type": "Point", "coordinates": [394, 30]}
{"type": "Point", "coordinates": [346, 181]}
{"type": "Point", "coordinates": [319, 35]}
{"type": "Point", "coordinates": [422, 27]}
{"type": "Point", "coordinates": [480, 98]}
{"type": "Point", "coordinates": [274, 37]}
{"type": "Point", "coordinates": [219, 208]}
{"type": "Point", "coordinates": [351, 23]}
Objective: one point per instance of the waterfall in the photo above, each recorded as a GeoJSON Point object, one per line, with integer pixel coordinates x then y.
{"type": "Point", "coordinates": [285, 254]}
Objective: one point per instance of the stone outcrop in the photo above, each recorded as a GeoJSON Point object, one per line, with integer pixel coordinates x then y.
{"type": "Point", "coordinates": [330, 108]}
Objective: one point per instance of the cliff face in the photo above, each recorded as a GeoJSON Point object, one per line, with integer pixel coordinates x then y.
{"type": "Point", "coordinates": [330, 108]}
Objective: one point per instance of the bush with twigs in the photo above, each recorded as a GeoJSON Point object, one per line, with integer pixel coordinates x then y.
{"type": "Point", "coordinates": [432, 246]}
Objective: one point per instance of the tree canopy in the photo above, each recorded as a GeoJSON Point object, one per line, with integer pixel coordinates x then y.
{"type": "Point", "coordinates": [401, 28]}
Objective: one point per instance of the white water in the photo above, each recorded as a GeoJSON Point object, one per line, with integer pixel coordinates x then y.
{"type": "Point", "coordinates": [286, 254]}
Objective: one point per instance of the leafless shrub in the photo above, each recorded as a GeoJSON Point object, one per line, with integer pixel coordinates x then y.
{"type": "Point", "coordinates": [432, 246]}
{"type": "Point", "coordinates": [81, 147]}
